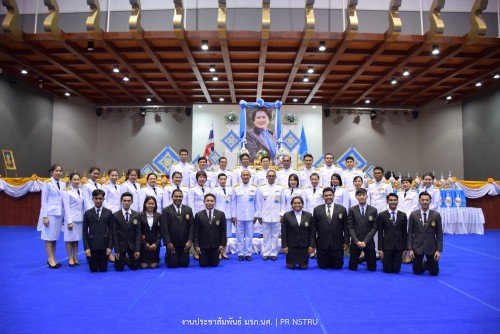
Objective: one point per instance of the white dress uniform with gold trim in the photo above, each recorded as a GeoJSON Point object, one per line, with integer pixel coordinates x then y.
{"type": "Point", "coordinates": [377, 194]}
{"type": "Point", "coordinates": [157, 192]}
{"type": "Point", "coordinates": [243, 209]}
{"type": "Point", "coordinates": [194, 182]}
{"type": "Point", "coordinates": [305, 176]}
{"type": "Point", "coordinates": [269, 205]}
{"type": "Point", "coordinates": [215, 178]}
{"type": "Point", "coordinates": [436, 197]}
{"type": "Point", "coordinates": [339, 192]}
{"type": "Point", "coordinates": [325, 174]}
{"type": "Point", "coordinates": [350, 199]}
{"type": "Point", "coordinates": [408, 201]}
{"type": "Point", "coordinates": [348, 176]}
{"type": "Point", "coordinates": [196, 198]}
{"type": "Point", "coordinates": [237, 174]}
{"type": "Point", "coordinates": [314, 197]}
{"type": "Point", "coordinates": [54, 207]}
{"type": "Point", "coordinates": [167, 194]}
{"type": "Point", "coordinates": [283, 174]}
{"type": "Point", "coordinates": [134, 189]}
{"type": "Point", "coordinates": [289, 194]}
{"type": "Point", "coordinates": [87, 189]}
{"type": "Point", "coordinates": [74, 197]}
{"type": "Point", "coordinates": [112, 197]}
{"type": "Point", "coordinates": [185, 169]}
{"type": "Point", "coordinates": [260, 177]}
{"type": "Point", "coordinates": [223, 197]}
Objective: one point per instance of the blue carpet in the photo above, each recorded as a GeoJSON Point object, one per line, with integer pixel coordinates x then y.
{"type": "Point", "coordinates": [464, 298]}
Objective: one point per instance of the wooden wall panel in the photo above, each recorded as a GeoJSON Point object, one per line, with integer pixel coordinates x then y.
{"type": "Point", "coordinates": [491, 210]}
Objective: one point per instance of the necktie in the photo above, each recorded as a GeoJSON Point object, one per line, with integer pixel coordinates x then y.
{"type": "Point", "coordinates": [179, 210]}
{"type": "Point", "coordinates": [291, 191]}
{"type": "Point", "coordinates": [98, 213]}
{"type": "Point", "coordinates": [224, 189]}
{"type": "Point", "coordinates": [135, 186]}
{"type": "Point", "coordinates": [116, 187]}
{"type": "Point", "coordinates": [405, 195]}
{"type": "Point", "coordinates": [78, 191]}
{"type": "Point", "coordinates": [393, 217]}
{"type": "Point", "coordinates": [177, 186]}
{"type": "Point", "coordinates": [126, 217]}
{"type": "Point", "coordinates": [334, 188]}
{"type": "Point", "coordinates": [154, 189]}
{"type": "Point", "coordinates": [95, 184]}
{"type": "Point", "coordinates": [58, 186]}
{"type": "Point", "coordinates": [202, 190]}
{"type": "Point", "coordinates": [329, 212]}
{"type": "Point", "coordinates": [425, 218]}
{"type": "Point", "coordinates": [314, 190]}
{"type": "Point", "coordinates": [362, 211]}
{"type": "Point", "coordinates": [210, 216]}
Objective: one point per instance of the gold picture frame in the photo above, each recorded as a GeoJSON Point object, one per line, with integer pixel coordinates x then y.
{"type": "Point", "coordinates": [8, 160]}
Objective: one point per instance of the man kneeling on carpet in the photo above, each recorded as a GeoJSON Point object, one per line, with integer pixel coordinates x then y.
{"type": "Point", "coordinates": [127, 235]}
{"type": "Point", "coordinates": [210, 238]}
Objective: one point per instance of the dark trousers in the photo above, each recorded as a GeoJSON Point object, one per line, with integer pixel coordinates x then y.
{"type": "Point", "coordinates": [130, 261]}
{"type": "Point", "coordinates": [370, 256]}
{"type": "Point", "coordinates": [98, 260]}
{"type": "Point", "coordinates": [209, 257]}
{"type": "Point", "coordinates": [418, 266]}
{"type": "Point", "coordinates": [330, 258]}
{"type": "Point", "coordinates": [178, 259]}
{"type": "Point", "coordinates": [392, 260]}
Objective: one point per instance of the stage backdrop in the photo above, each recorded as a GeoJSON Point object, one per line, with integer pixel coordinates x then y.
{"type": "Point", "coordinates": [206, 116]}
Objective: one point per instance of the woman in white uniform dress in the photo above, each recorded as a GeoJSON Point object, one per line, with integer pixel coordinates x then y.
{"type": "Point", "coordinates": [338, 189]}
{"type": "Point", "coordinates": [175, 183]}
{"type": "Point", "coordinates": [90, 186]}
{"type": "Point", "coordinates": [52, 212]}
{"type": "Point", "coordinates": [197, 193]}
{"type": "Point", "coordinates": [132, 187]}
{"type": "Point", "coordinates": [152, 189]}
{"type": "Point", "coordinates": [73, 230]}
{"type": "Point", "coordinates": [292, 191]}
{"type": "Point", "coordinates": [112, 191]}
{"type": "Point", "coordinates": [350, 199]}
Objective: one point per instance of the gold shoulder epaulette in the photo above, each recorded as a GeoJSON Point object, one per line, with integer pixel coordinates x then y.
{"type": "Point", "coordinates": [263, 184]}
{"type": "Point", "coordinates": [237, 184]}
{"type": "Point", "coordinates": [386, 182]}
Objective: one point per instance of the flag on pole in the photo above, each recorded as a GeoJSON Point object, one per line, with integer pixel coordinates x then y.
{"type": "Point", "coordinates": [277, 127]}
{"type": "Point", "coordinates": [210, 147]}
{"type": "Point", "coordinates": [303, 144]}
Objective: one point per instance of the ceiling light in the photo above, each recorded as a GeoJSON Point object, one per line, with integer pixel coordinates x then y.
{"type": "Point", "coordinates": [373, 114]}
{"type": "Point", "coordinates": [125, 78]}
{"type": "Point", "coordinates": [393, 81]}
{"type": "Point", "coordinates": [90, 45]}
{"type": "Point", "coordinates": [204, 44]}
{"type": "Point", "coordinates": [322, 46]}
{"type": "Point", "coordinates": [435, 49]}
{"type": "Point", "coordinates": [367, 101]}
{"type": "Point", "coordinates": [212, 68]}
{"type": "Point", "coordinates": [406, 72]}
{"type": "Point", "coordinates": [396, 113]}
{"type": "Point", "coordinates": [310, 69]}
{"type": "Point", "coordinates": [116, 69]}
{"type": "Point", "coordinates": [200, 106]}
{"type": "Point", "coordinates": [295, 100]}
{"type": "Point", "coordinates": [306, 78]}
{"type": "Point", "coordinates": [478, 84]}
{"type": "Point", "coordinates": [221, 99]}
{"type": "Point", "coordinates": [67, 94]}
{"type": "Point", "coordinates": [148, 99]}
{"type": "Point", "coordinates": [215, 77]}
{"type": "Point", "coordinates": [496, 76]}
{"type": "Point", "coordinates": [40, 81]}
{"type": "Point", "coordinates": [314, 107]}
{"type": "Point", "coordinates": [24, 71]}
{"type": "Point", "coordinates": [449, 97]}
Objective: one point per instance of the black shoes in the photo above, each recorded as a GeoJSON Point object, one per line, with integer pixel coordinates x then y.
{"type": "Point", "coordinates": [265, 258]}
{"type": "Point", "coordinates": [248, 258]}
{"type": "Point", "coordinates": [273, 258]}
{"type": "Point", "coordinates": [240, 257]}
{"type": "Point", "coordinates": [56, 266]}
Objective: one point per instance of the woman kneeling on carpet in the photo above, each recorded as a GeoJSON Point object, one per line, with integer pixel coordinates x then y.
{"type": "Point", "coordinates": [150, 233]}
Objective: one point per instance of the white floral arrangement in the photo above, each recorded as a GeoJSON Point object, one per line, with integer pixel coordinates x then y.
{"type": "Point", "coordinates": [291, 118]}
{"type": "Point", "coordinates": [230, 117]}
{"type": "Point", "coordinates": [261, 153]}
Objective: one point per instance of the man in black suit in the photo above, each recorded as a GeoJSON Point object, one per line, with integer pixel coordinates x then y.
{"type": "Point", "coordinates": [362, 225]}
{"type": "Point", "coordinates": [97, 228]}
{"type": "Point", "coordinates": [210, 238]}
{"type": "Point", "coordinates": [391, 235]}
{"type": "Point", "coordinates": [127, 235]}
{"type": "Point", "coordinates": [425, 236]}
{"type": "Point", "coordinates": [330, 229]}
{"type": "Point", "coordinates": [176, 225]}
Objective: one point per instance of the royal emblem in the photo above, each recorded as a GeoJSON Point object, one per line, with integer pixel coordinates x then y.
{"type": "Point", "coordinates": [433, 223]}
{"type": "Point", "coordinates": [340, 216]}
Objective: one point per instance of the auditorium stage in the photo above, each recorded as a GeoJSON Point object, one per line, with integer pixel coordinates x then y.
{"type": "Point", "coordinates": [266, 297]}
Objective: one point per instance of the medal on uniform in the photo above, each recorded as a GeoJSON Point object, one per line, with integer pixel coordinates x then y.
{"type": "Point", "coordinates": [340, 216]}
{"type": "Point", "coordinates": [370, 218]}
{"type": "Point", "coordinates": [306, 224]}
{"type": "Point", "coordinates": [135, 221]}
{"type": "Point", "coordinates": [217, 222]}
{"type": "Point", "coordinates": [187, 215]}
{"type": "Point", "coordinates": [433, 223]}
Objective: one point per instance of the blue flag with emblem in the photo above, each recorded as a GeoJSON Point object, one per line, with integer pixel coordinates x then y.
{"type": "Point", "coordinates": [303, 144]}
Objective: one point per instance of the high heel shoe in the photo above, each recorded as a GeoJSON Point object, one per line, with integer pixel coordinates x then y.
{"type": "Point", "coordinates": [52, 266]}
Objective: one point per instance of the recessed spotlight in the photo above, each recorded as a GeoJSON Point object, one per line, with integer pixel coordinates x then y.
{"type": "Point", "coordinates": [294, 100]}
{"type": "Point", "coordinates": [449, 97]}
{"type": "Point", "coordinates": [496, 76]}
{"type": "Point", "coordinates": [314, 107]}
{"type": "Point", "coordinates": [116, 69]}
{"type": "Point", "coordinates": [90, 46]}
{"type": "Point", "coordinates": [221, 99]}
{"type": "Point", "coordinates": [212, 68]}
{"type": "Point", "coordinates": [435, 49]}
{"type": "Point", "coordinates": [367, 101]}
{"type": "Point", "coordinates": [24, 71]}
{"type": "Point", "coordinates": [310, 69]}
{"type": "Point", "coordinates": [215, 77]}
{"type": "Point", "coordinates": [322, 46]}
{"type": "Point", "coordinates": [306, 78]}
{"type": "Point", "coordinates": [67, 94]}
{"type": "Point", "coordinates": [200, 106]}
{"type": "Point", "coordinates": [393, 81]}
{"type": "Point", "coordinates": [406, 72]}
{"type": "Point", "coordinates": [126, 78]}
{"type": "Point", "coordinates": [204, 44]}
{"type": "Point", "coordinates": [148, 99]}
{"type": "Point", "coordinates": [478, 84]}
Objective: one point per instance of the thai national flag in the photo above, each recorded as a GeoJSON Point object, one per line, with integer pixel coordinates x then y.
{"type": "Point", "coordinates": [209, 149]}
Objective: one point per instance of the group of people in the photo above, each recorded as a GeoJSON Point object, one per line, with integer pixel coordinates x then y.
{"type": "Point", "coordinates": [317, 212]}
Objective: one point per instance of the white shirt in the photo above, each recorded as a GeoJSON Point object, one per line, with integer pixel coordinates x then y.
{"type": "Point", "coordinates": [112, 197]}
{"type": "Point", "coordinates": [215, 177]}
{"type": "Point", "coordinates": [196, 198]}
{"type": "Point", "coordinates": [260, 177]}
{"type": "Point", "coordinates": [88, 188]}
{"type": "Point", "coordinates": [243, 202]}
{"type": "Point", "coordinates": [436, 197]}
{"type": "Point", "coordinates": [237, 174]}
{"type": "Point", "coordinates": [129, 187]}
{"type": "Point", "coordinates": [298, 215]}
{"type": "Point", "coordinates": [305, 177]}
{"type": "Point", "coordinates": [408, 203]}
{"type": "Point", "coordinates": [288, 196]}
{"type": "Point", "coordinates": [348, 176]}
{"type": "Point", "coordinates": [193, 180]}
{"type": "Point", "coordinates": [269, 202]}
{"type": "Point", "coordinates": [149, 191]}
{"type": "Point", "coordinates": [223, 201]}
{"type": "Point", "coordinates": [326, 172]}
{"type": "Point", "coordinates": [378, 192]}
{"type": "Point", "coordinates": [167, 194]}
{"type": "Point", "coordinates": [313, 199]}
{"type": "Point", "coordinates": [185, 169]}
{"type": "Point", "coordinates": [282, 176]}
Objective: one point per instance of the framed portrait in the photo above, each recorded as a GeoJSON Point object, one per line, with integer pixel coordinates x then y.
{"type": "Point", "coordinates": [260, 120]}
{"type": "Point", "coordinates": [8, 159]}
